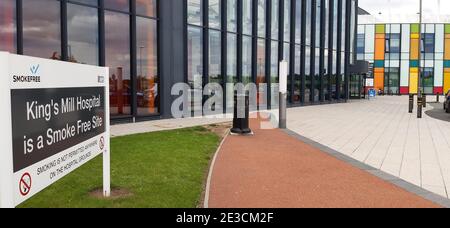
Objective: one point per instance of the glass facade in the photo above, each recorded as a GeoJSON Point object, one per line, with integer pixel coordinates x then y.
{"type": "Point", "coordinates": [393, 50]}
{"type": "Point", "coordinates": [224, 42]}
{"type": "Point", "coordinates": [122, 35]}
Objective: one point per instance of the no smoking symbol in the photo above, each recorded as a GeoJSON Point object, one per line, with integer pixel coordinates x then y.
{"type": "Point", "coordinates": [102, 143]}
{"type": "Point", "coordinates": [25, 184]}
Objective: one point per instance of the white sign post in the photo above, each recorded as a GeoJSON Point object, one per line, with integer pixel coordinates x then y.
{"type": "Point", "coordinates": [55, 119]}
{"type": "Point", "coordinates": [283, 94]}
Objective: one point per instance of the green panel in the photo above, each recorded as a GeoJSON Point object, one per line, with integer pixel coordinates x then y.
{"type": "Point", "coordinates": [379, 64]}
{"type": "Point", "coordinates": [447, 63]}
{"type": "Point", "coordinates": [380, 29]}
{"type": "Point", "coordinates": [447, 29]}
{"type": "Point", "coordinates": [414, 63]}
{"type": "Point", "coordinates": [415, 28]}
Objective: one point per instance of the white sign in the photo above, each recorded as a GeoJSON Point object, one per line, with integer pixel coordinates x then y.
{"type": "Point", "coordinates": [283, 76]}
{"type": "Point", "coordinates": [370, 82]}
{"type": "Point", "coordinates": [55, 119]}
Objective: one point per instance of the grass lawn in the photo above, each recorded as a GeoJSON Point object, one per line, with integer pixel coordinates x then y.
{"type": "Point", "coordinates": [161, 169]}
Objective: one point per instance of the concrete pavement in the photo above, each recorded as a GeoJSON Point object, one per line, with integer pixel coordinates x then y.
{"type": "Point", "coordinates": [381, 133]}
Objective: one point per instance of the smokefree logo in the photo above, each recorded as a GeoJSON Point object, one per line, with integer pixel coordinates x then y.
{"type": "Point", "coordinates": [33, 77]}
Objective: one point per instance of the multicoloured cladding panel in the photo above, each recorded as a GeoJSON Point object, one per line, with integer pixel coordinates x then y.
{"type": "Point", "coordinates": [393, 49]}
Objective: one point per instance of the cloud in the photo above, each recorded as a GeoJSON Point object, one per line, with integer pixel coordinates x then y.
{"type": "Point", "coordinates": [407, 10]}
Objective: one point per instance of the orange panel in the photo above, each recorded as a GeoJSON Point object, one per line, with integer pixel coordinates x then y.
{"type": "Point", "coordinates": [447, 49]}
{"type": "Point", "coordinates": [414, 49]}
{"type": "Point", "coordinates": [380, 36]}
{"type": "Point", "coordinates": [379, 81]}
{"type": "Point", "coordinates": [379, 49]}
{"type": "Point", "coordinates": [379, 70]}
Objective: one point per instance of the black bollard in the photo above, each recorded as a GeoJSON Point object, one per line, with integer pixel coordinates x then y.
{"type": "Point", "coordinates": [437, 97]}
{"type": "Point", "coordinates": [419, 107]}
{"type": "Point", "coordinates": [241, 123]}
{"type": "Point", "coordinates": [411, 103]}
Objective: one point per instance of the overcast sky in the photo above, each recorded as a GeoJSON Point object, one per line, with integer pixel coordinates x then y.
{"type": "Point", "coordinates": [407, 10]}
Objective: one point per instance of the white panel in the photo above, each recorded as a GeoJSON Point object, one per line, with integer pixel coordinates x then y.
{"type": "Point", "coordinates": [370, 38]}
{"type": "Point", "coordinates": [439, 38]}
{"type": "Point", "coordinates": [394, 63]}
{"type": "Point", "coordinates": [439, 73]}
{"type": "Point", "coordinates": [369, 57]}
{"type": "Point", "coordinates": [361, 29]}
{"type": "Point", "coordinates": [395, 28]}
{"type": "Point", "coordinates": [430, 28]}
{"type": "Point", "coordinates": [405, 56]}
{"type": "Point", "coordinates": [404, 74]}
{"type": "Point", "coordinates": [429, 63]}
{"type": "Point", "coordinates": [406, 36]}
{"type": "Point", "coordinates": [439, 56]}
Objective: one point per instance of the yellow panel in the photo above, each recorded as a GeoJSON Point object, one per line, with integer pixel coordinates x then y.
{"type": "Point", "coordinates": [414, 49]}
{"type": "Point", "coordinates": [413, 82]}
{"type": "Point", "coordinates": [446, 82]}
{"type": "Point", "coordinates": [414, 70]}
{"type": "Point", "coordinates": [446, 70]}
{"type": "Point", "coordinates": [415, 36]}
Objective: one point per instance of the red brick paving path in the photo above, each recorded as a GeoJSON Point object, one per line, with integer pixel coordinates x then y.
{"type": "Point", "coordinates": [274, 170]}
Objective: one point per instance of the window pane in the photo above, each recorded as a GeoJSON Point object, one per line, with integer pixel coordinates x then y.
{"type": "Point", "coordinates": [262, 18]}
{"type": "Point", "coordinates": [308, 21]}
{"type": "Point", "coordinates": [148, 96]}
{"type": "Point", "coordinates": [146, 8]}
{"type": "Point", "coordinates": [287, 20]}
{"type": "Point", "coordinates": [231, 68]}
{"type": "Point", "coordinates": [215, 74]}
{"type": "Point", "coordinates": [232, 15]}
{"type": "Point", "coordinates": [87, 2]}
{"type": "Point", "coordinates": [275, 19]}
{"type": "Point", "coordinates": [117, 35]}
{"type": "Point", "coordinates": [82, 23]}
{"type": "Point", "coordinates": [195, 12]}
{"type": "Point", "coordinates": [298, 21]}
{"type": "Point", "coordinates": [195, 65]}
{"type": "Point", "coordinates": [246, 59]}
{"type": "Point", "coordinates": [41, 28]}
{"type": "Point", "coordinates": [247, 17]}
{"type": "Point", "coordinates": [8, 26]}
{"type": "Point", "coordinates": [122, 5]}
{"type": "Point", "coordinates": [214, 14]}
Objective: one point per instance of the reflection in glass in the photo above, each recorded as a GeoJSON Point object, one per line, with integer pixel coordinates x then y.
{"type": "Point", "coordinates": [82, 27]}
{"type": "Point", "coordinates": [231, 68]}
{"type": "Point", "coordinates": [195, 12]}
{"type": "Point", "coordinates": [215, 74]}
{"type": "Point", "coordinates": [297, 82]}
{"type": "Point", "coordinates": [214, 14]}
{"type": "Point", "coordinates": [122, 5]}
{"type": "Point", "coordinates": [308, 21]}
{"type": "Point", "coordinates": [117, 36]}
{"type": "Point", "coordinates": [146, 8]}
{"type": "Point", "coordinates": [298, 21]}
{"type": "Point", "coordinates": [307, 74]}
{"type": "Point", "coordinates": [41, 28]}
{"type": "Point", "coordinates": [275, 24]}
{"type": "Point", "coordinates": [231, 15]}
{"type": "Point", "coordinates": [247, 17]}
{"type": "Point", "coordinates": [148, 96]}
{"type": "Point", "coordinates": [286, 57]}
{"type": "Point", "coordinates": [287, 20]}
{"type": "Point", "coordinates": [8, 26]}
{"type": "Point", "coordinates": [246, 59]}
{"type": "Point", "coordinates": [261, 69]}
{"type": "Point", "coordinates": [274, 78]}
{"type": "Point", "coordinates": [262, 18]}
{"type": "Point", "coordinates": [195, 65]}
